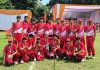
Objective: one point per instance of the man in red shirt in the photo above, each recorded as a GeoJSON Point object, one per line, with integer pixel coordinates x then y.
{"type": "Point", "coordinates": [22, 48]}
{"type": "Point", "coordinates": [41, 28]}
{"type": "Point", "coordinates": [39, 51]}
{"type": "Point", "coordinates": [32, 29]}
{"type": "Point", "coordinates": [55, 47]}
{"type": "Point", "coordinates": [80, 30]}
{"type": "Point", "coordinates": [11, 54]}
{"type": "Point", "coordinates": [50, 27]}
{"type": "Point", "coordinates": [46, 43]}
{"type": "Point", "coordinates": [57, 28]}
{"type": "Point", "coordinates": [68, 49]}
{"type": "Point", "coordinates": [79, 50]}
{"type": "Point", "coordinates": [72, 32]}
{"type": "Point", "coordinates": [63, 32]}
{"type": "Point", "coordinates": [90, 37]}
{"type": "Point", "coordinates": [17, 29]}
{"type": "Point", "coordinates": [25, 26]}
{"type": "Point", "coordinates": [31, 40]}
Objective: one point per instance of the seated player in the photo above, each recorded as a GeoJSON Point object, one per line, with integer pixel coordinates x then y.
{"type": "Point", "coordinates": [68, 49]}
{"type": "Point", "coordinates": [31, 40]}
{"type": "Point", "coordinates": [39, 51]}
{"type": "Point", "coordinates": [10, 53]}
{"type": "Point", "coordinates": [55, 47]}
{"type": "Point", "coordinates": [22, 48]}
{"type": "Point", "coordinates": [79, 50]}
{"type": "Point", "coordinates": [46, 43]}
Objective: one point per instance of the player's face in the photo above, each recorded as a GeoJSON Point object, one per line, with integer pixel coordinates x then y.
{"type": "Point", "coordinates": [26, 19]}
{"type": "Point", "coordinates": [46, 35]}
{"type": "Point", "coordinates": [18, 19]}
{"type": "Point", "coordinates": [68, 43]}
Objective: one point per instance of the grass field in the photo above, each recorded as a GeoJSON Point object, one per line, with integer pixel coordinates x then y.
{"type": "Point", "coordinates": [90, 64]}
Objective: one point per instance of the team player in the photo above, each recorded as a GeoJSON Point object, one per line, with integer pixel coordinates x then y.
{"type": "Point", "coordinates": [80, 30]}
{"type": "Point", "coordinates": [90, 37]}
{"type": "Point", "coordinates": [68, 49]}
{"type": "Point", "coordinates": [79, 50]}
{"type": "Point", "coordinates": [11, 54]}
{"type": "Point", "coordinates": [25, 26]}
{"type": "Point", "coordinates": [17, 29]}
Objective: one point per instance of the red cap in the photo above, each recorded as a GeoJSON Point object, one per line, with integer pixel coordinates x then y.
{"type": "Point", "coordinates": [90, 19]}
{"type": "Point", "coordinates": [10, 40]}
{"type": "Point", "coordinates": [68, 40]}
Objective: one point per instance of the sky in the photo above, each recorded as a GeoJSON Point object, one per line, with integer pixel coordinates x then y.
{"type": "Point", "coordinates": [44, 2]}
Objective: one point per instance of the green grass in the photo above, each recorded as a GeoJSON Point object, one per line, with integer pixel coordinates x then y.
{"type": "Point", "coordinates": [90, 64]}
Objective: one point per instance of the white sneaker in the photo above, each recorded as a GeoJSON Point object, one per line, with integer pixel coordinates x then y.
{"type": "Point", "coordinates": [22, 62]}
{"type": "Point", "coordinates": [83, 59]}
{"type": "Point", "coordinates": [89, 57]}
{"type": "Point", "coordinates": [34, 59]}
{"type": "Point", "coordinates": [15, 62]}
{"type": "Point", "coordinates": [57, 57]}
{"type": "Point", "coordinates": [93, 57]}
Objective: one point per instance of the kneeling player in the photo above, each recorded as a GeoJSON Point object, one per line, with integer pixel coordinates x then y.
{"type": "Point", "coordinates": [55, 47]}
{"type": "Point", "coordinates": [68, 49]}
{"type": "Point", "coordinates": [39, 51]}
{"type": "Point", "coordinates": [10, 53]}
{"type": "Point", "coordinates": [79, 50]}
{"type": "Point", "coordinates": [22, 48]}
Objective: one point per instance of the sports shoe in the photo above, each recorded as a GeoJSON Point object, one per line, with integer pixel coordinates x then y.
{"type": "Point", "coordinates": [83, 59]}
{"type": "Point", "coordinates": [15, 62]}
{"type": "Point", "coordinates": [22, 62]}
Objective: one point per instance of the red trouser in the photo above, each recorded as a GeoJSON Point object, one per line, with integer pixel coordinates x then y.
{"type": "Point", "coordinates": [15, 58]}
{"type": "Point", "coordinates": [41, 56]}
{"type": "Point", "coordinates": [31, 54]}
{"type": "Point", "coordinates": [18, 37]}
{"type": "Point", "coordinates": [73, 39]}
{"type": "Point", "coordinates": [82, 39]}
{"type": "Point", "coordinates": [90, 45]}
{"type": "Point", "coordinates": [24, 55]}
{"type": "Point", "coordinates": [80, 55]}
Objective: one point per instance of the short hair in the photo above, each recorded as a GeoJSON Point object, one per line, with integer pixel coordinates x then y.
{"type": "Point", "coordinates": [77, 38]}
{"type": "Point", "coordinates": [24, 38]}
{"type": "Point", "coordinates": [30, 35]}
{"type": "Point", "coordinates": [18, 16]}
{"type": "Point", "coordinates": [25, 16]}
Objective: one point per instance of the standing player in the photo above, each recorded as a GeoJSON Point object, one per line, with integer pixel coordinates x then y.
{"type": "Point", "coordinates": [80, 30]}
{"type": "Point", "coordinates": [32, 29]}
{"type": "Point", "coordinates": [17, 29]}
{"type": "Point", "coordinates": [57, 28]}
{"type": "Point", "coordinates": [41, 28]}
{"type": "Point", "coordinates": [72, 32]}
{"type": "Point", "coordinates": [63, 32]}
{"type": "Point", "coordinates": [50, 27]}
{"type": "Point", "coordinates": [90, 37]}
{"type": "Point", "coordinates": [25, 26]}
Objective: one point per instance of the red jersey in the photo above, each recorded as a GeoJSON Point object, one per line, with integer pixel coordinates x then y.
{"type": "Point", "coordinates": [54, 43]}
{"type": "Point", "coordinates": [80, 30]}
{"type": "Point", "coordinates": [79, 46]}
{"type": "Point", "coordinates": [41, 28]}
{"type": "Point", "coordinates": [25, 27]}
{"type": "Point", "coordinates": [50, 28]}
{"type": "Point", "coordinates": [8, 50]}
{"type": "Point", "coordinates": [57, 29]}
{"type": "Point", "coordinates": [63, 33]}
{"type": "Point", "coordinates": [90, 29]}
{"type": "Point", "coordinates": [72, 29]}
{"type": "Point", "coordinates": [32, 29]}
{"type": "Point", "coordinates": [68, 48]}
{"type": "Point", "coordinates": [17, 27]}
